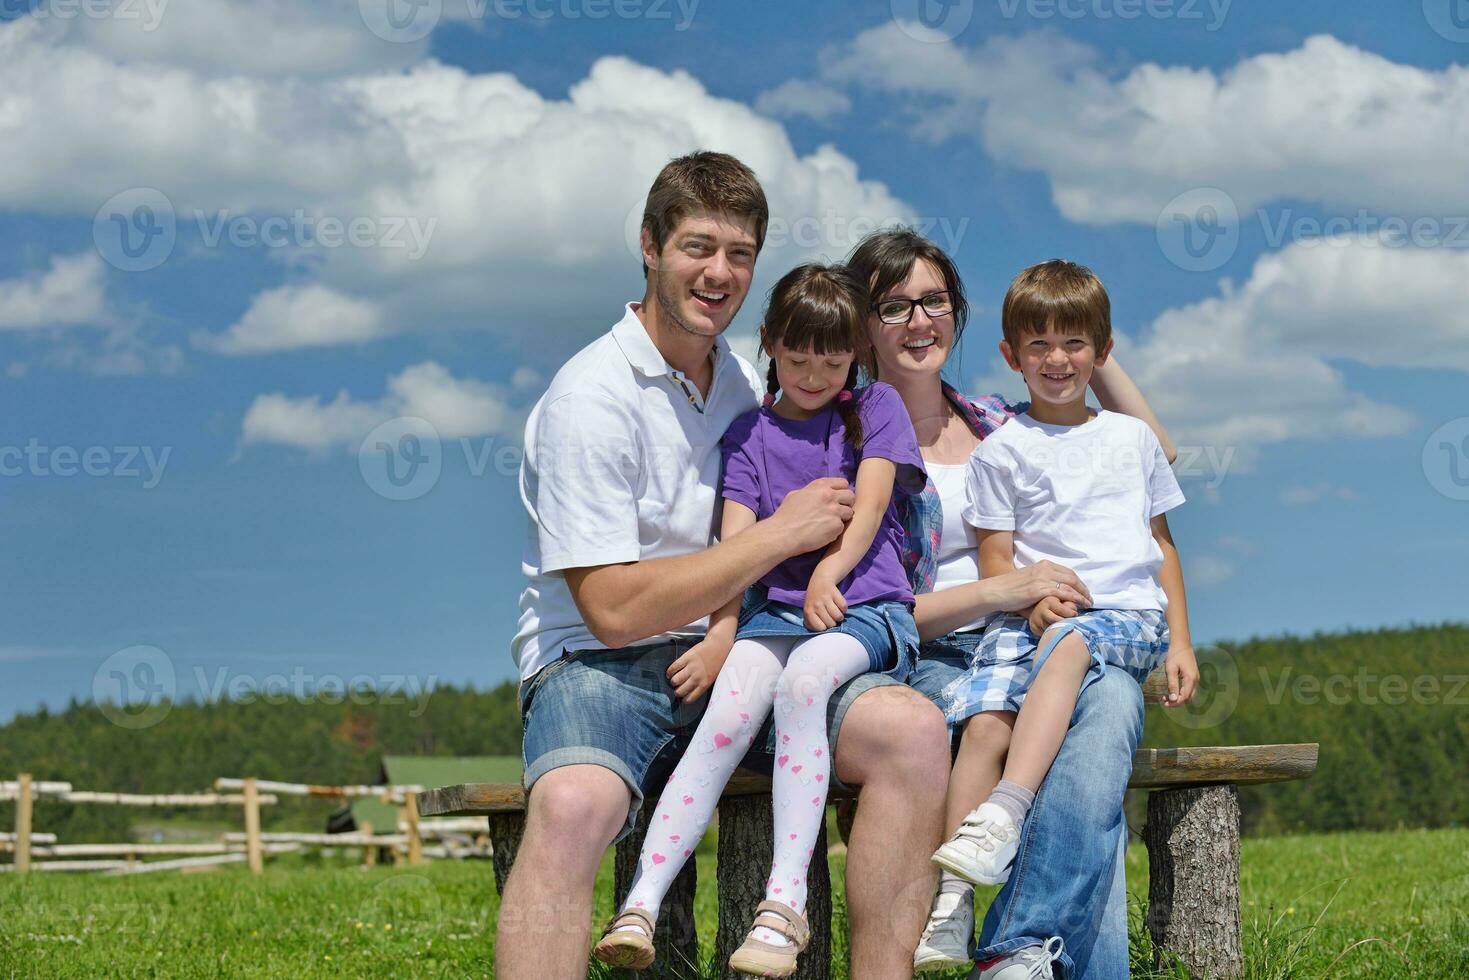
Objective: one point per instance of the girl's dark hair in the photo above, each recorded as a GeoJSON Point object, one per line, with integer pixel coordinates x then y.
{"type": "Point", "coordinates": [823, 309]}
{"type": "Point", "coordinates": [884, 259]}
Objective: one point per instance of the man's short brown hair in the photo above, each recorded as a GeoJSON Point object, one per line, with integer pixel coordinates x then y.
{"type": "Point", "coordinates": [1057, 294]}
{"type": "Point", "coordinates": [704, 181]}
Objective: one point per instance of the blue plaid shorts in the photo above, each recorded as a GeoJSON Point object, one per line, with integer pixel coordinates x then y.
{"type": "Point", "coordinates": [1009, 655]}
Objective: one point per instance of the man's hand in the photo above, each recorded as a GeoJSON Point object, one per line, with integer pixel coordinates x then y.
{"type": "Point", "coordinates": [813, 516]}
{"type": "Point", "coordinates": [825, 604]}
{"type": "Point", "coordinates": [1047, 612]}
{"type": "Point", "coordinates": [695, 671]}
{"type": "Point", "coordinates": [1183, 676]}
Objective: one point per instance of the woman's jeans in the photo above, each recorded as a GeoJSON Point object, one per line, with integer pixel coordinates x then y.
{"type": "Point", "coordinates": [1068, 878]}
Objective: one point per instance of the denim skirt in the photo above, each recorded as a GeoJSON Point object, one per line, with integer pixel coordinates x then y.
{"type": "Point", "coordinates": [885, 629]}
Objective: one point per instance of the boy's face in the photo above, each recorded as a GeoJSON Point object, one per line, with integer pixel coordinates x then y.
{"type": "Point", "coordinates": [703, 272]}
{"type": "Point", "coordinates": [1056, 366]}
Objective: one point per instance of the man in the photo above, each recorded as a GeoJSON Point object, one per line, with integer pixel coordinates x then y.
{"type": "Point", "coordinates": [620, 481]}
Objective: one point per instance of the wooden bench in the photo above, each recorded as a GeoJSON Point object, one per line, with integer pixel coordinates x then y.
{"type": "Point", "coordinates": [1192, 836]}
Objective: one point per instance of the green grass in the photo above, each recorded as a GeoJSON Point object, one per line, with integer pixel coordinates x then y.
{"type": "Point", "coordinates": [1353, 905]}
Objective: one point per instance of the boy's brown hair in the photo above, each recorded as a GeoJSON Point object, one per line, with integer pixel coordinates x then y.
{"type": "Point", "coordinates": [1057, 294]}
{"type": "Point", "coordinates": [704, 181]}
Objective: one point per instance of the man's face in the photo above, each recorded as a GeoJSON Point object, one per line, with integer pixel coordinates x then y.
{"type": "Point", "coordinates": [704, 271]}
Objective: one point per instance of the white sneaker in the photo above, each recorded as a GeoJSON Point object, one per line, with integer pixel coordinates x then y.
{"type": "Point", "coordinates": [983, 849]}
{"type": "Point", "coordinates": [948, 936]}
{"type": "Point", "coordinates": [1030, 963]}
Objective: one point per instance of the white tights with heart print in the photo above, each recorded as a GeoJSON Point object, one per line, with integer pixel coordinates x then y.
{"type": "Point", "coordinates": [795, 676]}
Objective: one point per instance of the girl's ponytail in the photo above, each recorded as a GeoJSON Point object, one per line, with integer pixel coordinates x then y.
{"type": "Point", "coordinates": [772, 385]}
{"type": "Point", "coordinates": [847, 406]}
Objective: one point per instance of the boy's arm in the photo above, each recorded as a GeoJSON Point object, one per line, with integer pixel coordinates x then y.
{"type": "Point", "coordinates": [1181, 667]}
{"type": "Point", "coordinates": [825, 604]}
{"type": "Point", "coordinates": [694, 672]}
{"type": "Point", "coordinates": [997, 558]}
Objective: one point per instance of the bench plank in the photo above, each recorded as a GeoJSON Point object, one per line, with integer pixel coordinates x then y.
{"type": "Point", "coordinates": [1151, 769]}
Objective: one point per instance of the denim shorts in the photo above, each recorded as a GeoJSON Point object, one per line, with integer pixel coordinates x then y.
{"type": "Point", "coordinates": [616, 709]}
{"type": "Point", "coordinates": [885, 629]}
{"type": "Point", "coordinates": [941, 661]}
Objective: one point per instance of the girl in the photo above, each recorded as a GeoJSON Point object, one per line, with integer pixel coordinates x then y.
{"type": "Point", "coordinates": [811, 624]}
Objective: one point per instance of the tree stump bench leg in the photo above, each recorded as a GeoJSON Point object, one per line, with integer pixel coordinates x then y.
{"type": "Point", "coordinates": [1192, 835]}
{"type": "Point", "coordinates": [746, 848]}
{"type": "Point", "coordinates": [676, 937]}
{"type": "Point", "coordinates": [506, 830]}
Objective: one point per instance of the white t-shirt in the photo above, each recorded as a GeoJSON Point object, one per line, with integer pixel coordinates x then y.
{"type": "Point", "coordinates": [1081, 496]}
{"type": "Point", "coordinates": [958, 561]}
{"type": "Point", "coordinates": [621, 464]}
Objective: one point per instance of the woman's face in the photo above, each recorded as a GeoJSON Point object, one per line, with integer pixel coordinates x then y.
{"type": "Point", "coordinates": [921, 346]}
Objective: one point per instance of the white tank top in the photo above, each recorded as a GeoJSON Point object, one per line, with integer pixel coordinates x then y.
{"type": "Point", "coordinates": [958, 557]}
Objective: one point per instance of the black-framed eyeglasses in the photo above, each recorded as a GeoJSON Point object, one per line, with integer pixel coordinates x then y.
{"type": "Point", "coordinates": [900, 310]}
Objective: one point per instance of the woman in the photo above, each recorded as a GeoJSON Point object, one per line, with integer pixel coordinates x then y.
{"type": "Point", "coordinates": [1067, 880]}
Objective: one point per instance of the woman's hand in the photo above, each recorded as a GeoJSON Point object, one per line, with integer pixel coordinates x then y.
{"type": "Point", "coordinates": [1021, 589]}
{"type": "Point", "coordinates": [1047, 612]}
{"type": "Point", "coordinates": [825, 604]}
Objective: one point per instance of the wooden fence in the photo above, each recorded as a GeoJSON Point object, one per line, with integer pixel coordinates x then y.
{"type": "Point", "coordinates": [453, 837]}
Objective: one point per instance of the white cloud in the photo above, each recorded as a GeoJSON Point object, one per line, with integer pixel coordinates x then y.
{"type": "Point", "coordinates": [292, 317]}
{"type": "Point", "coordinates": [1300, 495]}
{"type": "Point", "coordinates": [1206, 571]}
{"type": "Point", "coordinates": [457, 407]}
{"type": "Point", "coordinates": [1327, 122]}
{"type": "Point", "coordinates": [1259, 363]}
{"type": "Point", "coordinates": [801, 97]}
{"type": "Point", "coordinates": [531, 197]}
{"type": "Point", "coordinates": [72, 291]}
{"type": "Point", "coordinates": [229, 37]}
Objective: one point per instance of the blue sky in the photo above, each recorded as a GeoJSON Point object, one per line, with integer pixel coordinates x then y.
{"type": "Point", "coordinates": [179, 444]}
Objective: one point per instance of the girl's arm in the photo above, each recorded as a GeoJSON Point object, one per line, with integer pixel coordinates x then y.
{"type": "Point", "coordinates": [825, 605]}
{"type": "Point", "coordinates": [1180, 666]}
{"type": "Point", "coordinates": [1117, 393]}
{"type": "Point", "coordinates": [695, 671]}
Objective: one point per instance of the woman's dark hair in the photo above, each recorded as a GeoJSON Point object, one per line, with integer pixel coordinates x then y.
{"type": "Point", "coordinates": [884, 260]}
{"type": "Point", "coordinates": [823, 309]}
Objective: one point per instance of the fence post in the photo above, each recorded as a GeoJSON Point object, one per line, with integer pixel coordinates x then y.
{"type": "Point", "coordinates": [253, 854]}
{"type": "Point", "coordinates": [415, 842]}
{"type": "Point", "coordinates": [23, 825]}
{"type": "Point", "coordinates": [369, 853]}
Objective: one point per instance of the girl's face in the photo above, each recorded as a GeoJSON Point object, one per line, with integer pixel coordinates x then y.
{"type": "Point", "coordinates": [809, 381]}
{"type": "Point", "coordinates": [921, 346]}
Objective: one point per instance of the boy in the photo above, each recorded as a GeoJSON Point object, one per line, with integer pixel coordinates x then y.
{"type": "Point", "coordinates": [1086, 491]}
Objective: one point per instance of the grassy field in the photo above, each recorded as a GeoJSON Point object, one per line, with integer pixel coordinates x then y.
{"type": "Point", "coordinates": [1353, 905]}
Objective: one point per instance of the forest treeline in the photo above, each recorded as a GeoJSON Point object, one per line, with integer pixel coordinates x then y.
{"type": "Point", "coordinates": [1389, 707]}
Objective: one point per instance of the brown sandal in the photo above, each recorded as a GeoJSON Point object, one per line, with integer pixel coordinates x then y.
{"type": "Point", "coordinates": [625, 948]}
{"type": "Point", "coordinates": [762, 959]}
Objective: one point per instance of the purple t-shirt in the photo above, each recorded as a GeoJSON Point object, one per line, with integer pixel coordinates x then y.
{"type": "Point", "coordinates": [766, 457]}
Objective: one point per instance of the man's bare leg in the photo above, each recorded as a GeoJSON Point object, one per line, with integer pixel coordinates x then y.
{"type": "Point", "coordinates": [573, 815]}
{"type": "Point", "coordinates": [894, 744]}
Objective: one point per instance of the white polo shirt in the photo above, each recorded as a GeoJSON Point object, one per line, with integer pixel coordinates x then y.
{"type": "Point", "coordinates": [621, 464]}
